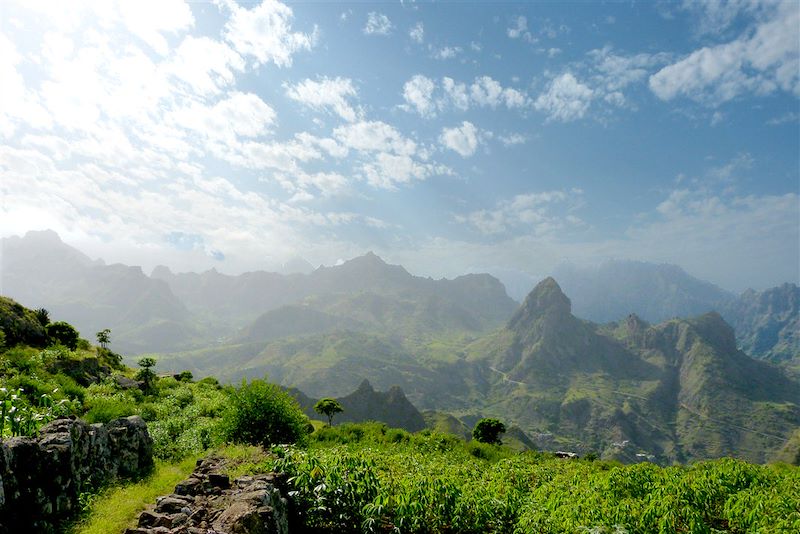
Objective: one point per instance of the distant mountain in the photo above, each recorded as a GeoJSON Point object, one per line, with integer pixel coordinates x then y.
{"type": "Point", "coordinates": [365, 286]}
{"type": "Point", "coordinates": [655, 292]}
{"type": "Point", "coordinates": [365, 404]}
{"type": "Point", "coordinates": [767, 323]}
{"type": "Point", "coordinates": [679, 390]}
{"type": "Point", "coordinates": [40, 270]}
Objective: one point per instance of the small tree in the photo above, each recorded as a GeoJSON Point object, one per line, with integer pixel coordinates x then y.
{"type": "Point", "coordinates": [146, 374]}
{"type": "Point", "coordinates": [328, 407]}
{"type": "Point", "coordinates": [64, 333]}
{"type": "Point", "coordinates": [104, 337]}
{"type": "Point", "coordinates": [42, 315]}
{"type": "Point", "coordinates": [488, 430]}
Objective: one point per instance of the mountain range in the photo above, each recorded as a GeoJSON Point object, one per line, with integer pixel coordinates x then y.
{"type": "Point", "coordinates": [645, 361]}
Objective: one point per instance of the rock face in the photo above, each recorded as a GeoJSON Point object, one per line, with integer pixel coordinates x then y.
{"type": "Point", "coordinates": [208, 502]}
{"type": "Point", "coordinates": [41, 478]}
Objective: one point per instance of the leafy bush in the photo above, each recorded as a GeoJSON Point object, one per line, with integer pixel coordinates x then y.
{"type": "Point", "coordinates": [261, 413]}
{"type": "Point", "coordinates": [64, 333]}
{"type": "Point", "coordinates": [104, 409]}
{"type": "Point", "coordinates": [488, 430]}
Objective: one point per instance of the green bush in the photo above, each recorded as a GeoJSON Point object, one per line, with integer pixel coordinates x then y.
{"type": "Point", "coordinates": [261, 413]}
{"type": "Point", "coordinates": [104, 409]}
{"type": "Point", "coordinates": [64, 333]}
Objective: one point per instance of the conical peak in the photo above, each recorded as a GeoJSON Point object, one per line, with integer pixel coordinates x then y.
{"type": "Point", "coordinates": [365, 386]}
{"type": "Point", "coordinates": [547, 295]}
{"type": "Point", "coordinates": [546, 299]}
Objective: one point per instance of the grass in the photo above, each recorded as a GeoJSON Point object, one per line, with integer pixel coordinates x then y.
{"type": "Point", "coordinates": [117, 508]}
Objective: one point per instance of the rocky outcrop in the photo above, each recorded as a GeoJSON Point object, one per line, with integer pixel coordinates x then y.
{"type": "Point", "coordinates": [41, 478]}
{"type": "Point", "coordinates": [209, 503]}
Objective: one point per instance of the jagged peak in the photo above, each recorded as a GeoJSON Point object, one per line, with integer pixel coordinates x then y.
{"type": "Point", "coordinates": [545, 299]}
{"type": "Point", "coordinates": [365, 387]}
{"type": "Point", "coordinates": [634, 323]}
{"type": "Point", "coordinates": [160, 271]}
{"type": "Point", "coordinates": [43, 236]}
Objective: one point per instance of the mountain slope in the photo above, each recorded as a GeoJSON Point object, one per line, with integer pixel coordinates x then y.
{"type": "Point", "coordinates": [243, 298]}
{"type": "Point", "coordinates": [768, 322]}
{"type": "Point", "coordinates": [655, 292]}
{"type": "Point", "coordinates": [39, 270]}
{"type": "Point", "coordinates": [679, 390]}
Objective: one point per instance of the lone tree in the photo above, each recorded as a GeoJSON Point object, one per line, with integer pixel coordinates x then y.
{"type": "Point", "coordinates": [104, 337]}
{"type": "Point", "coordinates": [328, 407]}
{"type": "Point", "coordinates": [488, 430]}
{"type": "Point", "coordinates": [146, 374]}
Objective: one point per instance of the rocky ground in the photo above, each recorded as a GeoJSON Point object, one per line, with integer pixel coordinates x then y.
{"type": "Point", "coordinates": [208, 502]}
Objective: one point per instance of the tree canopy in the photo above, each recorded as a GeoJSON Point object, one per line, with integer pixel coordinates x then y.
{"type": "Point", "coordinates": [328, 407]}
{"type": "Point", "coordinates": [488, 430]}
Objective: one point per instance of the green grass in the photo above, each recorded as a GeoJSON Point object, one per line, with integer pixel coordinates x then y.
{"type": "Point", "coordinates": [117, 507]}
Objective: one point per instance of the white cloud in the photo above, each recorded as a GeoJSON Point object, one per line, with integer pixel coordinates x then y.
{"type": "Point", "coordinates": [447, 52]}
{"type": "Point", "coordinates": [461, 139]}
{"type": "Point", "coordinates": [326, 93]}
{"type": "Point", "coordinates": [205, 65]}
{"type": "Point", "coordinates": [387, 158]}
{"type": "Point", "coordinates": [566, 99]}
{"type": "Point", "coordinates": [760, 61]}
{"type": "Point", "coordinates": [418, 93]}
{"type": "Point", "coordinates": [149, 19]}
{"type": "Point", "coordinates": [512, 139]}
{"type": "Point", "coordinates": [425, 96]}
{"type": "Point", "coordinates": [374, 136]}
{"type": "Point", "coordinates": [265, 33]}
{"type": "Point", "coordinates": [239, 114]}
{"type": "Point", "coordinates": [417, 33]}
{"type": "Point", "coordinates": [519, 29]}
{"type": "Point", "coordinates": [486, 91]}
{"type": "Point", "coordinates": [537, 214]}
{"type": "Point", "coordinates": [377, 24]}
{"type": "Point", "coordinates": [790, 117]}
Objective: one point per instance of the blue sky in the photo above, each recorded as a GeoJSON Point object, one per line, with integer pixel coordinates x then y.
{"type": "Point", "coordinates": [449, 137]}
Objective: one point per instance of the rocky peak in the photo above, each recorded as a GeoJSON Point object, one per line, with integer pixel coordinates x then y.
{"type": "Point", "coordinates": [161, 272]}
{"type": "Point", "coordinates": [713, 328]}
{"type": "Point", "coordinates": [635, 324]}
{"type": "Point", "coordinates": [365, 387]}
{"type": "Point", "coordinates": [546, 300]}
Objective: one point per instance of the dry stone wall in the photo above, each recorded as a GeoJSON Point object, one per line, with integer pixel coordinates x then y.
{"type": "Point", "coordinates": [41, 478]}
{"type": "Point", "coordinates": [208, 502]}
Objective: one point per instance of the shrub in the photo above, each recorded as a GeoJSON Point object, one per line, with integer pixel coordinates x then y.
{"type": "Point", "coordinates": [261, 413]}
{"type": "Point", "coordinates": [104, 409]}
{"type": "Point", "coordinates": [488, 430]}
{"type": "Point", "coordinates": [64, 333]}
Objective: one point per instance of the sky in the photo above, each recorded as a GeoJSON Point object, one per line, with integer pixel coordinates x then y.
{"type": "Point", "coordinates": [449, 137]}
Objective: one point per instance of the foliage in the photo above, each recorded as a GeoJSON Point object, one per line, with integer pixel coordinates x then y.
{"type": "Point", "coordinates": [328, 407]}
{"type": "Point", "coordinates": [63, 333]}
{"type": "Point", "coordinates": [261, 413]}
{"type": "Point", "coordinates": [146, 374]}
{"type": "Point", "coordinates": [20, 325]}
{"type": "Point", "coordinates": [353, 479]}
{"type": "Point", "coordinates": [104, 337]}
{"type": "Point", "coordinates": [19, 417]}
{"type": "Point", "coordinates": [42, 315]}
{"type": "Point", "coordinates": [488, 430]}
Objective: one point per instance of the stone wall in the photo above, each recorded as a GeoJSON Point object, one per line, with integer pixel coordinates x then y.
{"type": "Point", "coordinates": [41, 478]}
{"type": "Point", "coordinates": [209, 502]}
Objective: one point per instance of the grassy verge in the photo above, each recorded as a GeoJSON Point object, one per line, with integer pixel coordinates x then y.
{"type": "Point", "coordinates": [117, 508]}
